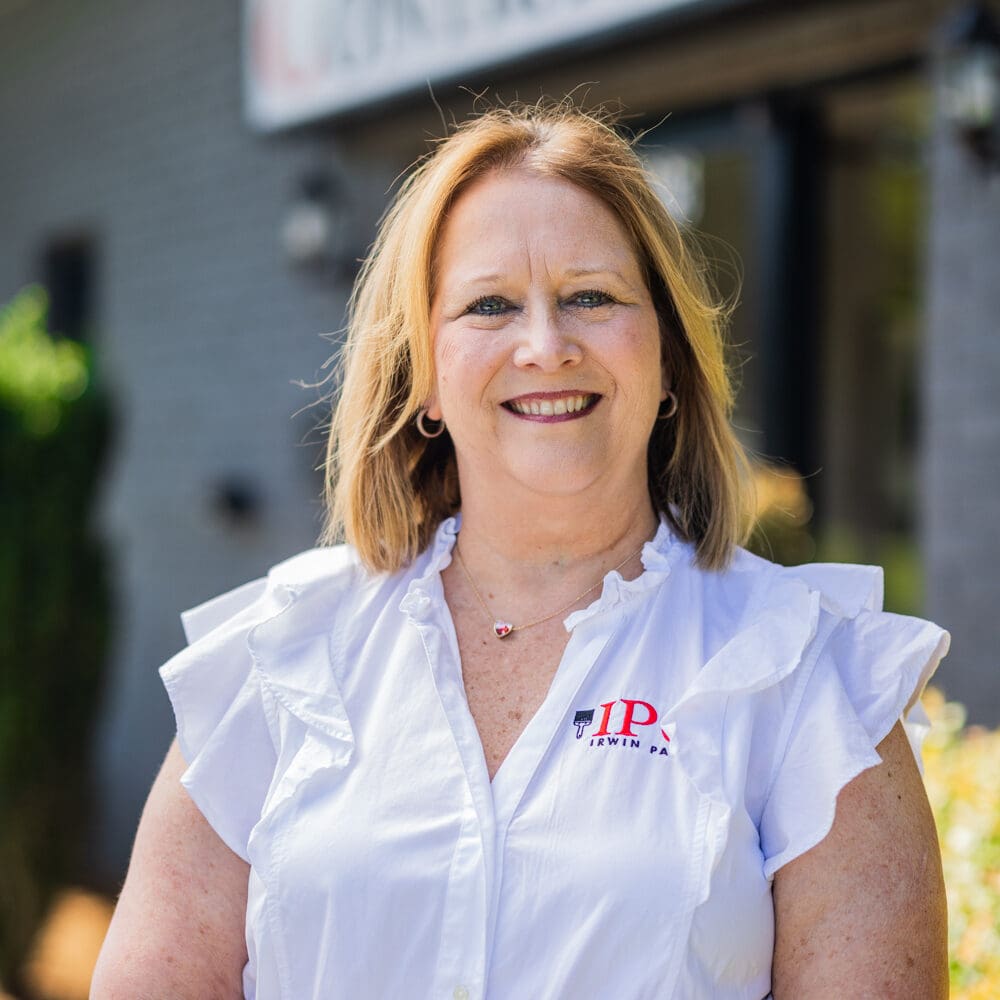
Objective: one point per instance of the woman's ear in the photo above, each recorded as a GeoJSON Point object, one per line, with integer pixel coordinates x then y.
{"type": "Point", "coordinates": [433, 407]}
{"type": "Point", "coordinates": [665, 374]}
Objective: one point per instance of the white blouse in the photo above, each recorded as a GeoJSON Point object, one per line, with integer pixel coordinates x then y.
{"type": "Point", "coordinates": [693, 741]}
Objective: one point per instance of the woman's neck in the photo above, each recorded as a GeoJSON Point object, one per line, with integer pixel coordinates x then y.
{"type": "Point", "coordinates": [530, 555]}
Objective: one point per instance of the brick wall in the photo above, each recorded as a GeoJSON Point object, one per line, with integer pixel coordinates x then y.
{"type": "Point", "coordinates": [123, 120]}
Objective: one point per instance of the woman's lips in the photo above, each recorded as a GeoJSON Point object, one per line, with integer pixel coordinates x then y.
{"type": "Point", "coordinates": [552, 407]}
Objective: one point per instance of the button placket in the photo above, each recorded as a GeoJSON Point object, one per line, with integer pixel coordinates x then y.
{"type": "Point", "coordinates": [462, 955]}
{"type": "Point", "coordinates": [586, 644]}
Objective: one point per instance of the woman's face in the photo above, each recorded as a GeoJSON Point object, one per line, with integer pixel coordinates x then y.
{"type": "Point", "coordinates": [546, 343]}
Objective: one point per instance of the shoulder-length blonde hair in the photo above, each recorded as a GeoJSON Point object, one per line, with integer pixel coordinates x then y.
{"type": "Point", "coordinates": [388, 487]}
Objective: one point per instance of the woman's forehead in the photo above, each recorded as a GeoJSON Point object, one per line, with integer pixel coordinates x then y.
{"type": "Point", "coordinates": [511, 216]}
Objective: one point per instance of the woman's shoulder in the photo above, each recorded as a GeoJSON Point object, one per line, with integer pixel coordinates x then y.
{"type": "Point", "coordinates": [804, 674]}
{"type": "Point", "coordinates": [842, 656]}
{"type": "Point", "coordinates": [324, 590]}
{"type": "Point", "coordinates": [331, 575]}
{"type": "Point", "coordinates": [842, 589]}
{"type": "Point", "coordinates": [329, 570]}
{"type": "Point", "coordinates": [322, 564]}
{"type": "Point", "coordinates": [768, 628]}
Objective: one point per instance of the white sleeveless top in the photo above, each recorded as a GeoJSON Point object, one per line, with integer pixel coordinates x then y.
{"type": "Point", "coordinates": [693, 741]}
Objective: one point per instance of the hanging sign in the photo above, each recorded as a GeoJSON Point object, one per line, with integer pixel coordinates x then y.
{"type": "Point", "coordinates": [307, 58]}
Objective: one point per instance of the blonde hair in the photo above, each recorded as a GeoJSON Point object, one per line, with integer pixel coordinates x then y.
{"type": "Point", "coordinates": [387, 486]}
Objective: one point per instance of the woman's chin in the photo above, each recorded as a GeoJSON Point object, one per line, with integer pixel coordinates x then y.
{"type": "Point", "coordinates": [557, 480]}
{"type": "Point", "coordinates": [562, 473]}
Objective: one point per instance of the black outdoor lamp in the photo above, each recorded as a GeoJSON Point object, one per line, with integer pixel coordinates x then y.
{"type": "Point", "coordinates": [971, 39]}
{"type": "Point", "coordinates": [307, 229]}
{"type": "Point", "coordinates": [319, 230]}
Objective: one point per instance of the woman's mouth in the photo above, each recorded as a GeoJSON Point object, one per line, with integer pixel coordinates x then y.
{"type": "Point", "coordinates": [553, 407]}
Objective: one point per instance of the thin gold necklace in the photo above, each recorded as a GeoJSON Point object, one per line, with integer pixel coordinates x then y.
{"type": "Point", "coordinates": [501, 628]}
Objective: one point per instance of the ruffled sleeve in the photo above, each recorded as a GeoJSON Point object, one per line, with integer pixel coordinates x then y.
{"type": "Point", "coordinates": [216, 696]}
{"type": "Point", "coordinates": [865, 671]}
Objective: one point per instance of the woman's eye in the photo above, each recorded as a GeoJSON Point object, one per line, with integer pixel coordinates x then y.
{"type": "Point", "coordinates": [592, 298]}
{"type": "Point", "coordinates": [488, 305]}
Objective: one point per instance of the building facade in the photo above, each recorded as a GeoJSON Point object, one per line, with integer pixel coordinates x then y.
{"type": "Point", "coordinates": [196, 184]}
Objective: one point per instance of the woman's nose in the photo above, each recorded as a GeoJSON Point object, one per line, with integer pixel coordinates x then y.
{"type": "Point", "coordinates": [546, 344]}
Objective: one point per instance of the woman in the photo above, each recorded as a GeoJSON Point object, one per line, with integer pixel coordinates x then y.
{"type": "Point", "coordinates": [541, 729]}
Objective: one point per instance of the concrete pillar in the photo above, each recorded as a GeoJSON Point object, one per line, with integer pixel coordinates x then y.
{"type": "Point", "coordinates": [961, 406]}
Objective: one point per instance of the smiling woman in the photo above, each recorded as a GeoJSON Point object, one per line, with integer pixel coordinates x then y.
{"type": "Point", "coordinates": [521, 334]}
{"type": "Point", "coordinates": [539, 727]}
{"type": "Point", "coordinates": [443, 260]}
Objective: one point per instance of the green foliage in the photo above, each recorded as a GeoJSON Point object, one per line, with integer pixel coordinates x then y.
{"type": "Point", "coordinates": [39, 376]}
{"type": "Point", "coordinates": [54, 606]}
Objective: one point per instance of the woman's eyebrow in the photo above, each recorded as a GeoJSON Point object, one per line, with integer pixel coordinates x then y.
{"type": "Point", "coordinates": [484, 279]}
{"type": "Point", "coordinates": [607, 270]}
{"type": "Point", "coordinates": [581, 272]}
{"type": "Point", "coordinates": [468, 284]}
{"type": "Point", "coordinates": [465, 283]}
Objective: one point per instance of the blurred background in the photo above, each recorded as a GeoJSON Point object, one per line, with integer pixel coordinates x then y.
{"type": "Point", "coordinates": [186, 190]}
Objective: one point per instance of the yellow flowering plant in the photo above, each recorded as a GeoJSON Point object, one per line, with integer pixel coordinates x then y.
{"type": "Point", "coordinates": [962, 775]}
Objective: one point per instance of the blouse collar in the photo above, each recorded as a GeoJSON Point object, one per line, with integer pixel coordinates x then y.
{"type": "Point", "coordinates": [658, 556]}
{"type": "Point", "coordinates": [425, 588]}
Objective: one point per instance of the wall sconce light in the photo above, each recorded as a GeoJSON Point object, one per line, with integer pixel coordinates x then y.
{"type": "Point", "coordinates": [318, 230]}
{"type": "Point", "coordinates": [971, 97]}
{"type": "Point", "coordinates": [237, 501]}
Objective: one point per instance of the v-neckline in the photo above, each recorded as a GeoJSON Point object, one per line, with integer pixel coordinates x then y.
{"type": "Point", "coordinates": [590, 631]}
{"type": "Point", "coordinates": [526, 753]}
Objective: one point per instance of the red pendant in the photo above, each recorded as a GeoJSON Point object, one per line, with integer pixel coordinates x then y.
{"type": "Point", "coordinates": [502, 629]}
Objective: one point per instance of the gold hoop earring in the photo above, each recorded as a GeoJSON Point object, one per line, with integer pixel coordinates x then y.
{"type": "Point", "coordinates": [423, 430]}
{"type": "Point", "coordinates": [672, 409]}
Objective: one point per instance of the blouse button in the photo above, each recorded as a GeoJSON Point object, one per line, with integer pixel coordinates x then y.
{"type": "Point", "coordinates": [460, 993]}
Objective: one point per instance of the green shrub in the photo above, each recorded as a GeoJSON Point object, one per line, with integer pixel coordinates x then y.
{"type": "Point", "coordinates": [54, 606]}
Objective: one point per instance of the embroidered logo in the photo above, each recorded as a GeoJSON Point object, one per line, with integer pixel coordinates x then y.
{"type": "Point", "coordinates": [618, 723]}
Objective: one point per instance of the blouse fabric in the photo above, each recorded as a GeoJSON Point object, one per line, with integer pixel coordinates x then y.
{"type": "Point", "coordinates": [693, 740]}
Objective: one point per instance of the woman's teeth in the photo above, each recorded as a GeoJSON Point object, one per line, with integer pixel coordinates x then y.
{"type": "Point", "coordinates": [551, 407]}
